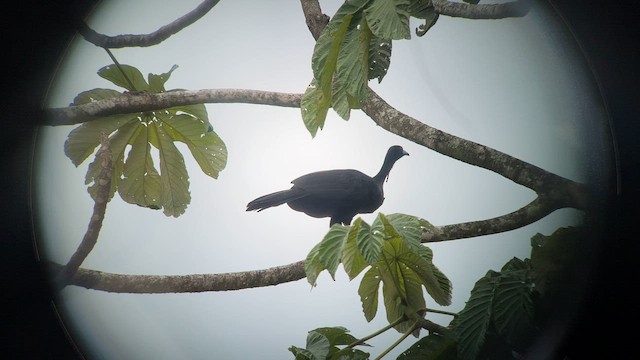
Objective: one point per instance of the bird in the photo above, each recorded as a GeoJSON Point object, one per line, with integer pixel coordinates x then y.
{"type": "Point", "coordinates": [339, 194]}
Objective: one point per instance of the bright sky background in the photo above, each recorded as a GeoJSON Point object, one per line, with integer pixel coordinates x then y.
{"type": "Point", "coordinates": [516, 85]}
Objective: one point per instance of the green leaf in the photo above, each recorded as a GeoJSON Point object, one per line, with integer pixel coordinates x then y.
{"type": "Point", "coordinates": [368, 291]}
{"type": "Point", "coordinates": [141, 183]}
{"type": "Point", "coordinates": [174, 176]}
{"type": "Point", "coordinates": [117, 143]}
{"type": "Point", "coordinates": [337, 335]}
{"type": "Point", "coordinates": [318, 345]}
{"type": "Point", "coordinates": [314, 106]}
{"type": "Point", "coordinates": [401, 284]}
{"type": "Point", "coordinates": [473, 321]}
{"type": "Point", "coordinates": [83, 140]}
{"type": "Point", "coordinates": [330, 249]}
{"type": "Point", "coordinates": [513, 305]}
{"type": "Point", "coordinates": [389, 19]}
{"type": "Point", "coordinates": [88, 96]}
{"type": "Point", "coordinates": [124, 76]}
{"type": "Point", "coordinates": [312, 265]}
{"type": "Point", "coordinates": [352, 260]}
{"type": "Point", "coordinates": [369, 241]}
{"type": "Point", "coordinates": [406, 226]}
{"type": "Point", "coordinates": [379, 58]}
{"type": "Point", "coordinates": [340, 100]}
{"type": "Point", "coordinates": [301, 354]}
{"type": "Point", "coordinates": [156, 82]}
{"type": "Point", "coordinates": [431, 347]}
{"type": "Point", "coordinates": [206, 147]}
{"type": "Point", "coordinates": [353, 60]}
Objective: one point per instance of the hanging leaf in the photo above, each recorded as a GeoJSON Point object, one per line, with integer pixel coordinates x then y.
{"type": "Point", "coordinates": [431, 347]}
{"type": "Point", "coordinates": [314, 106]}
{"type": "Point", "coordinates": [368, 291]}
{"type": "Point", "coordinates": [379, 58]}
{"type": "Point", "coordinates": [389, 19]}
{"type": "Point", "coordinates": [473, 321]}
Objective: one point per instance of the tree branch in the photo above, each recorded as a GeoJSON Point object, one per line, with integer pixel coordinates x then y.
{"type": "Point", "coordinates": [556, 189]}
{"type": "Point", "coordinates": [143, 40]}
{"type": "Point", "coordinates": [516, 8]}
{"type": "Point", "coordinates": [161, 284]}
{"type": "Point", "coordinates": [532, 212]}
{"type": "Point", "coordinates": [141, 101]}
{"type": "Point", "coordinates": [103, 184]}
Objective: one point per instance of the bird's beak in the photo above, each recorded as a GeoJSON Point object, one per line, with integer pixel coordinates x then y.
{"type": "Point", "coordinates": [405, 153]}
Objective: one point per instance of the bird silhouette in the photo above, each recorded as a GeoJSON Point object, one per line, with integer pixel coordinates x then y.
{"type": "Point", "coordinates": [338, 194]}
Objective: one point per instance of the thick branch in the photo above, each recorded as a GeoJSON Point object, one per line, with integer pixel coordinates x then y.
{"type": "Point", "coordinates": [517, 8]}
{"type": "Point", "coordinates": [103, 184]}
{"type": "Point", "coordinates": [562, 192]}
{"type": "Point", "coordinates": [532, 212]}
{"type": "Point", "coordinates": [142, 101]}
{"type": "Point", "coordinates": [154, 38]}
{"type": "Point", "coordinates": [161, 284]}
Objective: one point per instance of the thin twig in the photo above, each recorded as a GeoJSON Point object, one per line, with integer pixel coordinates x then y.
{"type": "Point", "coordinates": [143, 40]}
{"type": "Point", "coordinates": [103, 186]}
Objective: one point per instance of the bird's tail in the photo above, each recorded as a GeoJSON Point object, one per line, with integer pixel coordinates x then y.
{"type": "Point", "coordinates": [274, 199]}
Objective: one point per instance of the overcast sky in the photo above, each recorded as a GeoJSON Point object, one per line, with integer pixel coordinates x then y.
{"type": "Point", "coordinates": [516, 85]}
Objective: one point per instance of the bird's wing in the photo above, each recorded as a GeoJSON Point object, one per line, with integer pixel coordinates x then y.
{"type": "Point", "coordinates": [333, 183]}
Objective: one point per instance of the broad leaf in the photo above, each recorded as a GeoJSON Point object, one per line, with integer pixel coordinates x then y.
{"type": "Point", "coordinates": [352, 260]}
{"type": "Point", "coordinates": [314, 106]}
{"type": "Point", "coordinates": [513, 305]}
{"type": "Point", "coordinates": [141, 182]}
{"type": "Point", "coordinates": [330, 250]}
{"type": "Point", "coordinates": [156, 82]}
{"type": "Point", "coordinates": [175, 179]}
{"type": "Point", "coordinates": [137, 179]}
{"type": "Point", "coordinates": [379, 58]}
{"type": "Point", "coordinates": [473, 321]}
{"type": "Point", "coordinates": [431, 347]}
{"type": "Point", "coordinates": [368, 291]}
{"type": "Point", "coordinates": [353, 60]}
{"type": "Point", "coordinates": [125, 76]}
{"type": "Point", "coordinates": [389, 19]}
{"type": "Point", "coordinates": [318, 345]}
{"type": "Point", "coordinates": [370, 241]}
{"type": "Point", "coordinates": [206, 147]}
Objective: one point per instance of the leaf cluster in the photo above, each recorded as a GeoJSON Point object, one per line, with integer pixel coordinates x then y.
{"type": "Point", "coordinates": [135, 176]}
{"type": "Point", "coordinates": [323, 344]}
{"type": "Point", "coordinates": [396, 259]}
{"type": "Point", "coordinates": [354, 48]}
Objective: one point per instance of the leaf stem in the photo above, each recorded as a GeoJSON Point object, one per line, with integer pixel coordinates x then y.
{"type": "Point", "coordinates": [371, 336]}
{"type": "Point", "coordinates": [115, 61]}
{"type": "Point", "coordinates": [397, 342]}
{"type": "Point", "coordinates": [436, 311]}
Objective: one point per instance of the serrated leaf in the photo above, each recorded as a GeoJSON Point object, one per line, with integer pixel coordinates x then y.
{"type": "Point", "coordinates": [353, 60]}
{"type": "Point", "coordinates": [431, 347]}
{"type": "Point", "coordinates": [379, 58]}
{"type": "Point", "coordinates": [389, 19]}
{"type": "Point", "coordinates": [207, 148]}
{"type": "Point", "coordinates": [513, 305]}
{"type": "Point", "coordinates": [156, 82]}
{"type": "Point", "coordinates": [125, 76]}
{"type": "Point", "coordinates": [473, 321]}
{"type": "Point", "coordinates": [368, 291]}
{"type": "Point", "coordinates": [141, 182]}
{"type": "Point", "coordinates": [173, 173]}
{"type": "Point", "coordinates": [352, 260]}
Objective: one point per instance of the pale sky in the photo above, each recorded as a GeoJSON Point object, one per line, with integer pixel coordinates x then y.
{"type": "Point", "coordinates": [516, 85]}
